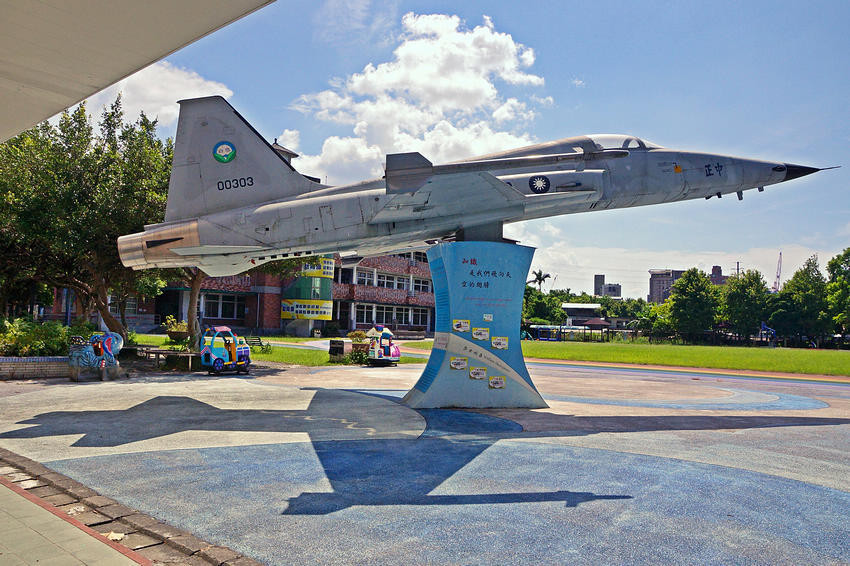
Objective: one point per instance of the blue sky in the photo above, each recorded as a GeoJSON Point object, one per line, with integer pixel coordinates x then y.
{"type": "Point", "coordinates": [758, 79]}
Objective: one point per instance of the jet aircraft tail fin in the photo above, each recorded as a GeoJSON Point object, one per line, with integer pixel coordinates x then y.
{"type": "Point", "coordinates": [221, 162]}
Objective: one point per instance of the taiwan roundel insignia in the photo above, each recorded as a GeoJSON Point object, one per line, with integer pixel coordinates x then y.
{"type": "Point", "coordinates": [224, 152]}
{"type": "Point", "coordinates": [539, 184]}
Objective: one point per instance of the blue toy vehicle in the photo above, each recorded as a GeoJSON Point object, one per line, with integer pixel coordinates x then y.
{"type": "Point", "coordinates": [222, 350]}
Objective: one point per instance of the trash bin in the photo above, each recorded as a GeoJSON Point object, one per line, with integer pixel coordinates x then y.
{"type": "Point", "coordinates": [317, 333]}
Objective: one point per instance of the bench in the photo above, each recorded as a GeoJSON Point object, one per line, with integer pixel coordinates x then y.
{"type": "Point", "coordinates": [255, 342]}
{"type": "Point", "coordinates": [156, 353]}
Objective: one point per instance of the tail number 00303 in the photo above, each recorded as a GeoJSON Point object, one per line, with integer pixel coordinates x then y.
{"type": "Point", "coordinates": [241, 182]}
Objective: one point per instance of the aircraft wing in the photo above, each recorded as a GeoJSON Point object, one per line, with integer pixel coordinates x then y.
{"type": "Point", "coordinates": [450, 194]}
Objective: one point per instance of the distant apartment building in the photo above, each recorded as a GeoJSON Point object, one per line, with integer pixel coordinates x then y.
{"type": "Point", "coordinates": [717, 276]}
{"type": "Point", "coordinates": [602, 289]}
{"type": "Point", "coordinates": [661, 282]}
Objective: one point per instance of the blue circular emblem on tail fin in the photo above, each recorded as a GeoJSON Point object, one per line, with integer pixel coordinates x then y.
{"type": "Point", "coordinates": [224, 152]}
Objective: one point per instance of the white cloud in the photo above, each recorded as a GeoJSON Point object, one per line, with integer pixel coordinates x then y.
{"type": "Point", "coordinates": [542, 101]}
{"type": "Point", "coordinates": [350, 158]}
{"type": "Point", "coordinates": [439, 95]}
{"type": "Point", "coordinates": [156, 90]}
{"type": "Point", "coordinates": [346, 22]}
{"type": "Point", "coordinates": [578, 83]}
{"type": "Point", "coordinates": [290, 139]}
{"type": "Point", "coordinates": [512, 109]}
{"type": "Point", "coordinates": [575, 264]}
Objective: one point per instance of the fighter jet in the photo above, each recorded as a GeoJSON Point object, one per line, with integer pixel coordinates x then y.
{"type": "Point", "coordinates": [235, 202]}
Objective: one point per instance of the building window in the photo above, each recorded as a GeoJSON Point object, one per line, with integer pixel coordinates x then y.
{"type": "Point", "coordinates": [402, 315]}
{"type": "Point", "coordinates": [131, 308]}
{"type": "Point", "coordinates": [420, 317]}
{"type": "Point", "coordinates": [364, 277]}
{"type": "Point", "coordinates": [316, 288]}
{"type": "Point", "coordinates": [387, 281]}
{"type": "Point", "coordinates": [402, 282]}
{"type": "Point", "coordinates": [363, 314]}
{"type": "Point", "coordinates": [383, 315]}
{"type": "Point", "coordinates": [224, 306]}
{"type": "Point", "coordinates": [421, 285]}
{"type": "Point", "coordinates": [420, 256]}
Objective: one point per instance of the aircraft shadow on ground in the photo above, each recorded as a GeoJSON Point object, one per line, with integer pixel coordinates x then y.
{"type": "Point", "coordinates": [378, 471]}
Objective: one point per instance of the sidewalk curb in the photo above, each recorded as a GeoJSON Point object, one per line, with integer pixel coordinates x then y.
{"type": "Point", "coordinates": [90, 510]}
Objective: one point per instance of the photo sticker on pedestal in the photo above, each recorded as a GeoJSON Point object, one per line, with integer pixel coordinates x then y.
{"type": "Point", "coordinates": [499, 342]}
{"type": "Point", "coordinates": [477, 373]}
{"type": "Point", "coordinates": [497, 382]}
{"type": "Point", "coordinates": [460, 325]}
{"type": "Point", "coordinates": [481, 333]}
{"type": "Point", "coordinates": [457, 363]}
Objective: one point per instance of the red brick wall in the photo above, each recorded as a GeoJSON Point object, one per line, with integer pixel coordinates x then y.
{"type": "Point", "coordinates": [269, 304]}
{"type": "Point", "coordinates": [396, 265]}
{"type": "Point", "coordinates": [380, 295]}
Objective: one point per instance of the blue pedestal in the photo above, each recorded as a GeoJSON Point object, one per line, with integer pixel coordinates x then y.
{"type": "Point", "coordinates": [477, 357]}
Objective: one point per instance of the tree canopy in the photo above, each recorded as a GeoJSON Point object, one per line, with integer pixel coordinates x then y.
{"type": "Point", "coordinates": [693, 304]}
{"type": "Point", "coordinates": [70, 191]}
{"type": "Point", "coordinates": [744, 303]}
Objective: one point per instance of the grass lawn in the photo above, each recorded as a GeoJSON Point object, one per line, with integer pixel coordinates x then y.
{"type": "Point", "coordinates": [152, 339]}
{"type": "Point", "coordinates": [282, 354]}
{"type": "Point", "coordinates": [788, 360]}
{"type": "Point", "coordinates": [293, 339]}
{"type": "Point", "coordinates": [160, 339]}
{"type": "Point", "coordinates": [305, 357]}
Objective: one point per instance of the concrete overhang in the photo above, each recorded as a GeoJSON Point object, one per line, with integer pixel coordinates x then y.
{"type": "Point", "coordinates": [55, 53]}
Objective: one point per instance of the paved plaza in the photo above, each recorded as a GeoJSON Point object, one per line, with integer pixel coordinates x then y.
{"type": "Point", "coordinates": [323, 465]}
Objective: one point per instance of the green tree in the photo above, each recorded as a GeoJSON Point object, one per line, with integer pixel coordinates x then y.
{"type": "Point", "coordinates": [693, 304]}
{"type": "Point", "coordinates": [538, 279]}
{"type": "Point", "coordinates": [783, 315]}
{"type": "Point", "coordinates": [655, 320]}
{"type": "Point", "coordinates": [807, 292]}
{"type": "Point", "coordinates": [71, 191]}
{"type": "Point", "coordinates": [838, 291]}
{"type": "Point", "coordinates": [744, 302]}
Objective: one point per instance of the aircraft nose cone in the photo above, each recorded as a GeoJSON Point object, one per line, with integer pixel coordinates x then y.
{"type": "Point", "coordinates": [793, 171]}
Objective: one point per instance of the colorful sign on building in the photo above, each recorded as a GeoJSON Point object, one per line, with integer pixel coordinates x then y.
{"type": "Point", "coordinates": [310, 295]}
{"type": "Point", "coordinates": [306, 309]}
{"type": "Point", "coordinates": [320, 267]}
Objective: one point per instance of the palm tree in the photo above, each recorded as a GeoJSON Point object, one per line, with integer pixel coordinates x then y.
{"type": "Point", "coordinates": [539, 278]}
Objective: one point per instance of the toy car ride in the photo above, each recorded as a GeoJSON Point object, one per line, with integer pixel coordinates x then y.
{"type": "Point", "coordinates": [382, 351]}
{"type": "Point", "coordinates": [222, 350]}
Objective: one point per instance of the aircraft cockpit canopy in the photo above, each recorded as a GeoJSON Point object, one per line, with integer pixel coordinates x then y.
{"type": "Point", "coordinates": [620, 141]}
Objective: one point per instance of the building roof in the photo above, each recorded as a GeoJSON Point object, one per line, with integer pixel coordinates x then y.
{"type": "Point", "coordinates": [288, 154]}
{"type": "Point", "coordinates": [594, 306]}
{"type": "Point", "coordinates": [55, 53]}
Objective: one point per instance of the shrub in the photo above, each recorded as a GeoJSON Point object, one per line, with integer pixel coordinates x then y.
{"type": "Point", "coordinates": [171, 324]}
{"type": "Point", "coordinates": [357, 336]}
{"type": "Point", "coordinates": [357, 358]}
{"type": "Point", "coordinates": [82, 327]}
{"type": "Point", "coordinates": [21, 337]}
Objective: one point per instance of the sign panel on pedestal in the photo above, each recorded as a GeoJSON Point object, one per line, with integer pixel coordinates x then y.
{"type": "Point", "coordinates": [477, 358]}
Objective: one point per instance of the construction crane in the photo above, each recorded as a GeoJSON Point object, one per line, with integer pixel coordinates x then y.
{"type": "Point", "coordinates": [776, 282]}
